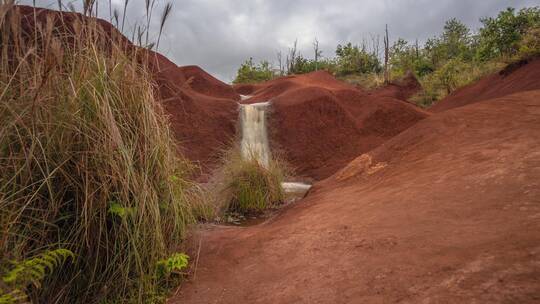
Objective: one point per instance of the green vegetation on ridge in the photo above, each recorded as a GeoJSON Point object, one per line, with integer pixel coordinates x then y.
{"type": "Point", "coordinates": [442, 64]}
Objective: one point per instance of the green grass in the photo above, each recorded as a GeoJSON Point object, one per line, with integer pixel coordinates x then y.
{"type": "Point", "coordinates": [246, 187]}
{"type": "Point", "coordinates": [88, 165]}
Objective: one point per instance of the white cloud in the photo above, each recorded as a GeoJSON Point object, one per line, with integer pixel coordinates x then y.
{"type": "Point", "coordinates": [219, 34]}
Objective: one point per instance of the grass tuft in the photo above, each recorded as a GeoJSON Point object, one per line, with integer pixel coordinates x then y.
{"type": "Point", "coordinates": [88, 163]}
{"type": "Point", "coordinates": [246, 187]}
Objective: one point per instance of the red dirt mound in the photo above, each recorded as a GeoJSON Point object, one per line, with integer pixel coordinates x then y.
{"type": "Point", "coordinates": [202, 82]}
{"type": "Point", "coordinates": [319, 124]}
{"type": "Point", "coordinates": [445, 212]}
{"type": "Point", "coordinates": [401, 89]}
{"type": "Point", "coordinates": [202, 109]}
{"type": "Point", "coordinates": [517, 77]}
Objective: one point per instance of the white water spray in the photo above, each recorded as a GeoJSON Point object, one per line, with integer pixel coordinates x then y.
{"type": "Point", "coordinates": [254, 144]}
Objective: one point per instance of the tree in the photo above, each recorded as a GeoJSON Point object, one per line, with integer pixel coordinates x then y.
{"type": "Point", "coordinates": [318, 53]}
{"type": "Point", "coordinates": [386, 55]}
{"type": "Point", "coordinates": [291, 58]}
{"type": "Point", "coordinates": [500, 36]}
{"type": "Point", "coordinates": [353, 59]}
{"type": "Point", "coordinates": [456, 39]}
{"type": "Point", "coordinates": [251, 73]}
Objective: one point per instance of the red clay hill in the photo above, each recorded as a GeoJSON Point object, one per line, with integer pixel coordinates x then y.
{"type": "Point", "coordinates": [319, 124]}
{"type": "Point", "coordinates": [202, 110]}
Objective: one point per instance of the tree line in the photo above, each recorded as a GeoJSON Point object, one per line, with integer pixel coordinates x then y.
{"type": "Point", "coordinates": [443, 63]}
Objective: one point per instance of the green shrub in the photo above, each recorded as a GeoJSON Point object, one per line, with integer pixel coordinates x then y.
{"type": "Point", "coordinates": [367, 81]}
{"type": "Point", "coordinates": [501, 36]}
{"type": "Point", "coordinates": [354, 59]}
{"type": "Point", "coordinates": [88, 163]}
{"type": "Point", "coordinates": [245, 186]}
{"type": "Point", "coordinates": [530, 45]}
{"type": "Point", "coordinates": [452, 76]}
{"type": "Point", "coordinates": [250, 72]}
{"type": "Point", "coordinates": [171, 265]}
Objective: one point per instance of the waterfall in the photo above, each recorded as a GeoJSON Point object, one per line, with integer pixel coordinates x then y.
{"type": "Point", "coordinates": [254, 144]}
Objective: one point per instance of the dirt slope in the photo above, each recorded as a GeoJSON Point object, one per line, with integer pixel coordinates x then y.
{"type": "Point", "coordinates": [401, 89]}
{"type": "Point", "coordinates": [446, 212]}
{"type": "Point", "coordinates": [203, 111]}
{"type": "Point", "coordinates": [319, 124]}
{"type": "Point", "coordinates": [520, 76]}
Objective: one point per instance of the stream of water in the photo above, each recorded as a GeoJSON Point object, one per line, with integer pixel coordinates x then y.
{"type": "Point", "coordinates": [254, 143]}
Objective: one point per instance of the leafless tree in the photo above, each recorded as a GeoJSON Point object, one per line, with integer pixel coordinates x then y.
{"type": "Point", "coordinates": [386, 55]}
{"type": "Point", "coordinates": [291, 58]}
{"type": "Point", "coordinates": [417, 49]}
{"type": "Point", "coordinates": [375, 43]}
{"type": "Point", "coordinates": [318, 53]}
{"type": "Point", "coordinates": [280, 62]}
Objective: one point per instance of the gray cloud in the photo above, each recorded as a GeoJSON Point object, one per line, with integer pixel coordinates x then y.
{"type": "Point", "coordinates": [218, 35]}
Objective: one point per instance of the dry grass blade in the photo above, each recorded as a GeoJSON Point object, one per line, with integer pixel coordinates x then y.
{"type": "Point", "coordinates": [164, 16]}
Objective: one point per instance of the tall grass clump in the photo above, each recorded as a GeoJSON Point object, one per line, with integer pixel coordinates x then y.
{"type": "Point", "coordinates": [88, 163]}
{"type": "Point", "coordinates": [247, 187]}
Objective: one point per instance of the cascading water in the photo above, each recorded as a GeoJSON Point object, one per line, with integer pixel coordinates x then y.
{"type": "Point", "coordinates": [254, 144]}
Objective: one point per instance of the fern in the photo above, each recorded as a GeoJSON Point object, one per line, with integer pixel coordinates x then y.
{"type": "Point", "coordinates": [35, 269]}
{"type": "Point", "coordinates": [12, 297]}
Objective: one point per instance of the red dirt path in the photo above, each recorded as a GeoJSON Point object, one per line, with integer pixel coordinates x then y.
{"type": "Point", "coordinates": [446, 212]}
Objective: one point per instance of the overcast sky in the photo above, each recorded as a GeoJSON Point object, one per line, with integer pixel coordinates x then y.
{"type": "Point", "coordinates": [219, 35]}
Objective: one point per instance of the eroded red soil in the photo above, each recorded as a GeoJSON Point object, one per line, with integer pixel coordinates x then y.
{"type": "Point", "coordinates": [446, 212]}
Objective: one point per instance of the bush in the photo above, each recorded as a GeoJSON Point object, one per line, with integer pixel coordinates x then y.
{"type": "Point", "coordinates": [352, 59]}
{"type": "Point", "coordinates": [530, 45]}
{"type": "Point", "coordinates": [252, 73]}
{"type": "Point", "coordinates": [366, 81]}
{"type": "Point", "coordinates": [246, 187]}
{"type": "Point", "coordinates": [451, 76]}
{"type": "Point", "coordinates": [88, 163]}
{"type": "Point", "coordinates": [501, 36]}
